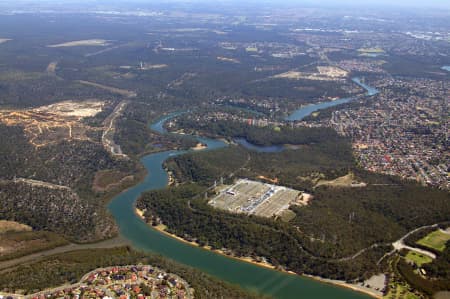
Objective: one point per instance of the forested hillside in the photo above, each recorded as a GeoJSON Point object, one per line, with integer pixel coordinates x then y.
{"type": "Point", "coordinates": [56, 209]}
{"type": "Point", "coordinates": [72, 209]}
{"type": "Point", "coordinates": [309, 243]}
{"type": "Point", "coordinates": [262, 136]}
{"type": "Point", "coordinates": [360, 224]}
{"type": "Point", "coordinates": [280, 243]}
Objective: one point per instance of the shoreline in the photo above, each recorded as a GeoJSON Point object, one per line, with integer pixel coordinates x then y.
{"type": "Point", "coordinates": [339, 283]}
{"type": "Point", "coordinates": [162, 229]}
{"type": "Point", "coordinates": [199, 147]}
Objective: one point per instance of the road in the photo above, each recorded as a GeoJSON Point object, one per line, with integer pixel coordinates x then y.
{"type": "Point", "coordinates": [400, 244]}
{"type": "Point", "coordinates": [108, 133]}
{"type": "Point", "coordinates": [111, 243]}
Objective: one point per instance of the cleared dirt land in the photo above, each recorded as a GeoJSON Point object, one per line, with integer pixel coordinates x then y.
{"type": "Point", "coordinates": [110, 129]}
{"type": "Point", "coordinates": [324, 73]}
{"type": "Point", "coordinates": [122, 92]}
{"type": "Point", "coordinates": [12, 226]}
{"type": "Point", "coordinates": [147, 67]}
{"type": "Point", "coordinates": [227, 59]}
{"type": "Point", "coordinates": [84, 43]}
{"type": "Point", "coordinates": [52, 123]}
{"type": "Point", "coordinates": [347, 180]}
{"type": "Point", "coordinates": [51, 68]}
{"type": "Point", "coordinates": [251, 197]}
{"type": "Point", "coordinates": [75, 109]}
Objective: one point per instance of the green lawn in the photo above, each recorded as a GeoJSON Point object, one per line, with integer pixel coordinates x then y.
{"type": "Point", "coordinates": [399, 291]}
{"type": "Point", "coordinates": [418, 258]}
{"type": "Point", "coordinates": [435, 240]}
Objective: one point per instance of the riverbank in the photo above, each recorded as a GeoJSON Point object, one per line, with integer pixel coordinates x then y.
{"type": "Point", "coordinates": [355, 287]}
{"type": "Point", "coordinates": [163, 229]}
{"type": "Point", "coordinates": [199, 147]}
{"type": "Point", "coordinates": [309, 109]}
{"type": "Point", "coordinates": [238, 272]}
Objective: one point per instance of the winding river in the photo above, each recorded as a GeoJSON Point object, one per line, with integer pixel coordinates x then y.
{"type": "Point", "coordinates": [302, 113]}
{"type": "Point", "coordinates": [308, 109]}
{"type": "Point", "coordinates": [249, 276]}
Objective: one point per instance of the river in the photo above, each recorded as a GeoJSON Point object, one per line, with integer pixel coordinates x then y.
{"type": "Point", "coordinates": [308, 109]}
{"type": "Point", "coordinates": [258, 148]}
{"type": "Point", "coordinates": [249, 276]}
{"type": "Point", "coordinates": [302, 113]}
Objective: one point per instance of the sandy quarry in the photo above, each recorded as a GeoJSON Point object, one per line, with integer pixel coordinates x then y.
{"type": "Point", "coordinates": [71, 108]}
{"type": "Point", "coordinates": [227, 59]}
{"type": "Point", "coordinates": [85, 42]}
{"type": "Point", "coordinates": [55, 122]}
{"type": "Point", "coordinates": [324, 73]}
{"type": "Point", "coordinates": [51, 68]}
{"type": "Point", "coordinates": [332, 71]}
{"type": "Point", "coordinates": [146, 67]}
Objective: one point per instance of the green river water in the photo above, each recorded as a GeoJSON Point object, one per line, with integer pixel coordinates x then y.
{"type": "Point", "coordinates": [248, 276]}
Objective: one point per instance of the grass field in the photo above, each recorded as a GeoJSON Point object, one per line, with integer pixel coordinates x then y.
{"type": "Point", "coordinates": [12, 226]}
{"type": "Point", "coordinates": [400, 291]}
{"type": "Point", "coordinates": [106, 179]}
{"type": "Point", "coordinates": [15, 75]}
{"type": "Point", "coordinates": [14, 244]}
{"type": "Point", "coordinates": [418, 258]}
{"type": "Point", "coordinates": [435, 240]}
{"type": "Point", "coordinates": [347, 180]}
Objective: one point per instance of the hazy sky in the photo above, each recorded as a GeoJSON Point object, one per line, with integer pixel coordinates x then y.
{"type": "Point", "coordinates": [388, 3]}
{"type": "Point", "coordinates": [403, 3]}
{"type": "Point", "coordinates": [407, 3]}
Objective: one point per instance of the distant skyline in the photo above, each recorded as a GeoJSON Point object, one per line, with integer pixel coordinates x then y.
{"type": "Point", "coordinates": [249, 7]}
{"type": "Point", "coordinates": [379, 3]}
{"type": "Point", "coordinates": [402, 3]}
